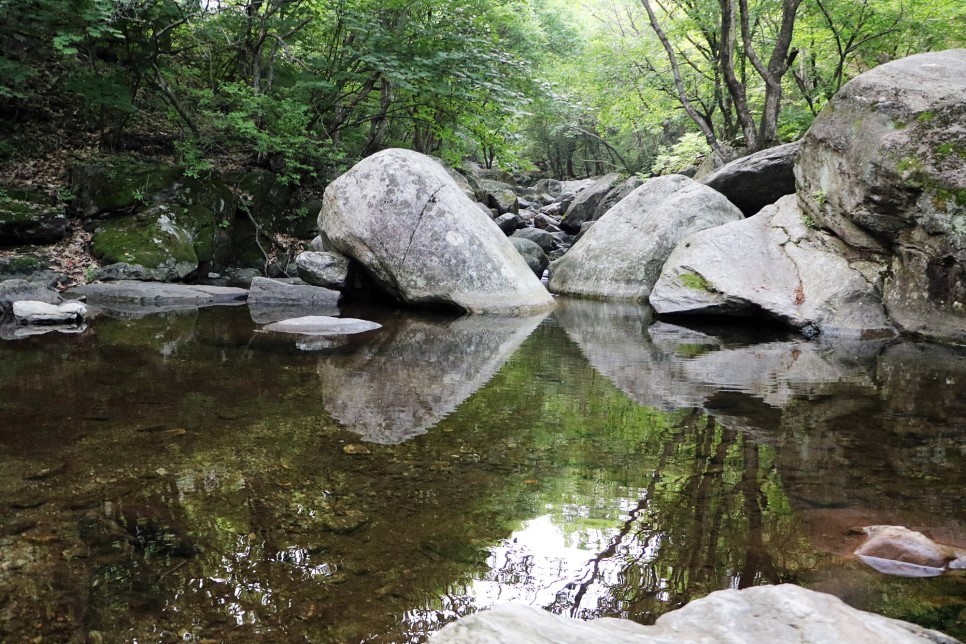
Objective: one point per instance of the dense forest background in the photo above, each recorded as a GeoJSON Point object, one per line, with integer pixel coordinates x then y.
{"type": "Point", "coordinates": [307, 87]}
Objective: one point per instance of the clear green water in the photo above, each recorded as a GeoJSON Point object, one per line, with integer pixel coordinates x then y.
{"type": "Point", "coordinates": [183, 477]}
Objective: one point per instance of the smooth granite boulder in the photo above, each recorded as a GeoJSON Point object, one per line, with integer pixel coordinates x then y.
{"type": "Point", "coordinates": [621, 255]}
{"type": "Point", "coordinates": [403, 219]}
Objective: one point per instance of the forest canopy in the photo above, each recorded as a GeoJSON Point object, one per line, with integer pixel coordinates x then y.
{"type": "Point", "coordinates": [307, 87]}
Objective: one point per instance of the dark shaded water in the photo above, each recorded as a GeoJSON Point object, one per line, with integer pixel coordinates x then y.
{"type": "Point", "coordinates": [183, 477]}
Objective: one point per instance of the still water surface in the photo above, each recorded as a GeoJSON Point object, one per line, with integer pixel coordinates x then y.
{"type": "Point", "coordinates": [185, 477]}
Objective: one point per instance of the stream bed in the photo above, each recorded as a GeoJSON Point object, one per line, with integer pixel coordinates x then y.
{"type": "Point", "coordinates": [186, 477]}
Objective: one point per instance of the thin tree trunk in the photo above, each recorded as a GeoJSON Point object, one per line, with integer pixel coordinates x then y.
{"type": "Point", "coordinates": [679, 84]}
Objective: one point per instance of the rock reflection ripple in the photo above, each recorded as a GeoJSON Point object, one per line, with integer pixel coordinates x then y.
{"type": "Point", "coordinates": [417, 371]}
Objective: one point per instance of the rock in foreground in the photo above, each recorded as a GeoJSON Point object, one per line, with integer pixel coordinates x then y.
{"type": "Point", "coordinates": [784, 613]}
{"type": "Point", "coordinates": [402, 217]}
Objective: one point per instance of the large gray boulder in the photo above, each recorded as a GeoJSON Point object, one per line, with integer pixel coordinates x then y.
{"type": "Point", "coordinates": [884, 167]}
{"type": "Point", "coordinates": [757, 180]}
{"type": "Point", "coordinates": [585, 203]}
{"type": "Point", "coordinates": [773, 263]}
{"type": "Point", "coordinates": [784, 613]}
{"type": "Point", "coordinates": [615, 194]}
{"type": "Point", "coordinates": [621, 256]}
{"type": "Point", "coordinates": [401, 217]}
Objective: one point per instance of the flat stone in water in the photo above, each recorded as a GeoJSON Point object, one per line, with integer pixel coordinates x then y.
{"type": "Point", "coordinates": [322, 325]}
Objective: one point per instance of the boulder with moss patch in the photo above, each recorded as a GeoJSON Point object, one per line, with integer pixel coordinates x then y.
{"type": "Point", "coordinates": [118, 184]}
{"type": "Point", "coordinates": [150, 246]}
{"type": "Point", "coordinates": [774, 265]}
{"type": "Point", "coordinates": [29, 219]}
{"type": "Point", "coordinates": [884, 167]}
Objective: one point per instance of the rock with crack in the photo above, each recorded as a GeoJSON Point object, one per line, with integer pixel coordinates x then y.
{"type": "Point", "coordinates": [401, 217]}
{"type": "Point", "coordinates": [775, 265]}
{"type": "Point", "coordinates": [884, 167]}
{"type": "Point", "coordinates": [620, 257]}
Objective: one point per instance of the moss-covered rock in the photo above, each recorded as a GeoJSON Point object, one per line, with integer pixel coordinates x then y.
{"type": "Point", "coordinates": [26, 220]}
{"type": "Point", "coordinates": [119, 184]}
{"type": "Point", "coordinates": [152, 245]}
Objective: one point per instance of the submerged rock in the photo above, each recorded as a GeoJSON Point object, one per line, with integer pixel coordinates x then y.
{"type": "Point", "coordinates": [900, 551]}
{"type": "Point", "coordinates": [322, 325]}
{"type": "Point", "coordinates": [783, 613]}
{"type": "Point", "coordinates": [774, 264]}
{"type": "Point", "coordinates": [403, 218]}
{"type": "Point", "coordinates": [621, 256]}
{"type": "Point", "coordinates": [884, 167]}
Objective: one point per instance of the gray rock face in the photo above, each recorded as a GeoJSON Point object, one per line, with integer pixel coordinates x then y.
{"type": "Point", "coordinates": [30, 313]}
{"type": "Point", "coordinates": [450, 360]}
{"type": "Point", "coordinates": [17, 289]}
{"type": "Point", "coordinates": [508, 222]}
{"type": "Point", "coordinates": [615, 194]}
{"type": "Point", "coordinates": [500, 196]}
{"type": "Point", "coordinates": [621, 256]}
{"type": "Point", "coordinates": [25, 222]}
{"type": "Point", "coordinates": [534, 256]}
{"type": "Point", "coordinates": [328, 270]}
{"type": "Point", "coordinates": [541, 238]}
{"type": "Point", "coordinates": [399, 214]}
{"type": "Point", "coordinates": [150, 246]}
{"type": "Point", "coordinates": [125, 294]}
{"type": "Point", "coordinates": [774, 263]}
{"type": "Point", "coordinates": [884, 167]}
{"type": "Point", "coordinates": [585, 203]}
{"type": "Point", "coordinates": [757, 180]}
{"type": "Point", "coordinates": [272, 300]}
{"type": "Point", "coordinates": [783, 613]}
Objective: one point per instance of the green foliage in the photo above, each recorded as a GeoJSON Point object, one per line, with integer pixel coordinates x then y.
{"type": "Point", "coordinates": [306, 87]}
{"type": "Point", "coordinates": [682, 155]}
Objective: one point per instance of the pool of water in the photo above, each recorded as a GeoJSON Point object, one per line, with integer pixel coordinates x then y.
{"type": "Point", "coordinates": [185, 477]}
